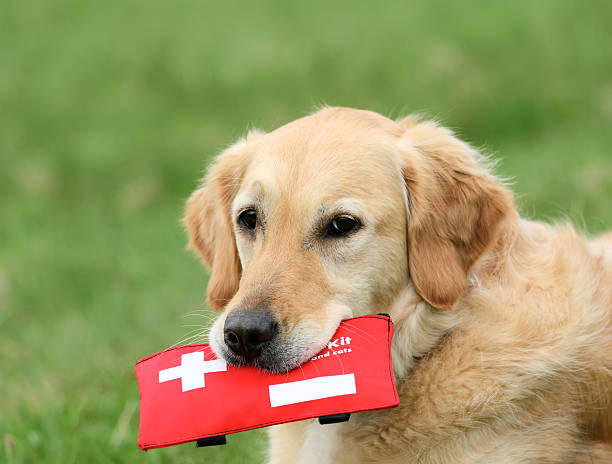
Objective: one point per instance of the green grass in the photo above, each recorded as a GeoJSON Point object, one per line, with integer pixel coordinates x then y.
{"type": "Point", "coordinates": [110, 110]}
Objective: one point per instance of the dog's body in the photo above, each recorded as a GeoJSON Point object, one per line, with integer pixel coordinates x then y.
{"type": "Point", "coordinates": [524, 376]}
{"type": "Point", "coordinates": [503, 327]}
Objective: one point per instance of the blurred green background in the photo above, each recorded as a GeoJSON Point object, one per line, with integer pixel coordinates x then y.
{"type": "Point", "coordinates": [109, 111]}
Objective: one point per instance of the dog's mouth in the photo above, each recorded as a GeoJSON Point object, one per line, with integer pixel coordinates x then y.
{"type": "Point", "coordinates": [278, 357]}
{"type": "Point", "coordinates": [285, 352]}
{"type": "Point", "coordinates": [256, 338]}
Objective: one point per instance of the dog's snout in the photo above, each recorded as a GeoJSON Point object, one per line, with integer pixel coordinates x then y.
{"type": "Point", "coordinates": [248, 331]}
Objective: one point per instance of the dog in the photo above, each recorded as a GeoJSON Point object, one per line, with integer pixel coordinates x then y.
{"type": "Point", "coordinates": [502, 350]}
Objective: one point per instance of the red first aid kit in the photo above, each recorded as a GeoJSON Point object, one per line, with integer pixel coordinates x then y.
{"type": "Point", "coordinates": [187, 394]}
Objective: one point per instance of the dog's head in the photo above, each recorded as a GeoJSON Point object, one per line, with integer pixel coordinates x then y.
{"type": "Point", "coordinates": [332, 216]}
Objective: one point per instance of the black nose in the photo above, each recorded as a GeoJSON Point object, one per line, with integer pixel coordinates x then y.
{"type": "Point", "coordinates": [248, 331]}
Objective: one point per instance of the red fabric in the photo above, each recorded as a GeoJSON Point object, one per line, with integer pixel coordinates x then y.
{"type": "Point", "coordinates": [240, 398]}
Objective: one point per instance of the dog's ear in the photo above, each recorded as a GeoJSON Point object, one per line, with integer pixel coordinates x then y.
{"type": "Point", "coordinates": [456, 209]}
{"type": "Point", "coordinates": [209, 224]}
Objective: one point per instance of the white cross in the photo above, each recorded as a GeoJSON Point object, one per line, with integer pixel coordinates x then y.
{"type": "Point", "coordinates": [192, 370]}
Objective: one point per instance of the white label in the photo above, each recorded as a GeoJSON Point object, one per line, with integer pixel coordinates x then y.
{"type": "Point", "coordinates": [312, 389]}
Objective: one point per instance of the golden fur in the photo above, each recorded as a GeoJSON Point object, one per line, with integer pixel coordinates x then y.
{"type": "Point", "coordinates": [503, 326]}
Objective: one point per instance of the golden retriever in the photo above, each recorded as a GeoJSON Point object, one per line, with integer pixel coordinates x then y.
{"type": "Point", "coordinates": [503, 326]}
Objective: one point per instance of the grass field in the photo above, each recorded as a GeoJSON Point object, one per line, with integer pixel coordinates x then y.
{"type": "Point", "coordinates": [110, 110]}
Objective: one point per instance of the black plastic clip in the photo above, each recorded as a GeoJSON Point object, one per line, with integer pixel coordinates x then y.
{"type": "Point", "coordinates": [334, 418]}
{"type": "Point", "coordinates": [211, 441]}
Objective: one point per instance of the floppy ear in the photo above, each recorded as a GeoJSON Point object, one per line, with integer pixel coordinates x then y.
{"type": "Point", "coordinates": [209, 225]}
{"type": "Point", "coordinates": [456, 209]}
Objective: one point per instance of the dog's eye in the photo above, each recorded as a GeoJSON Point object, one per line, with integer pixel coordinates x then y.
{"type": "Point", "coordinates": [341, 226]}
{"type": "Point", "coordinates": [248, 219]}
